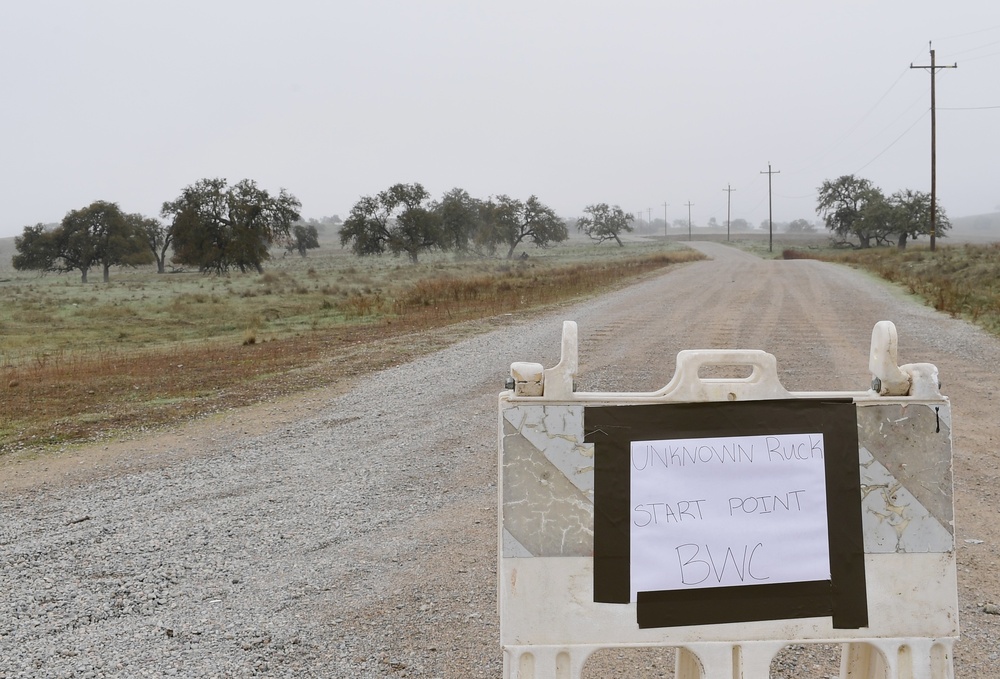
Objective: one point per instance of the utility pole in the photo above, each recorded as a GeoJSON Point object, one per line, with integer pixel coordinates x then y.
{"type": "Point", "coordinates": [689, 204]}
{"type": "Point", "coordinates": [665, 219]}
{"type": "Point", "coordinates": [729, 202]}
{"type": "Point", "coordinates": [770, 218]}
{"type": "Point", "coordinates": [649, 216]}
{"type": "Point", "coordinates": [933, 69]}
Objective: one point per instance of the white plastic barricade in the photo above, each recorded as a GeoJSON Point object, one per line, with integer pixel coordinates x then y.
{"type": "Point", "coordinates": [727, 518]}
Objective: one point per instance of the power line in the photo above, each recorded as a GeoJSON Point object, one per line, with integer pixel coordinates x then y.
{"type": "Point", "coordinates": [982, 56]}
{"type": "Point", "coordinates": [976, 32]}
{"type": "Point", "coordinates": [882, 152]}
{"type": "Point", "coordinates": [837, 142]}
{"type": "Point", "coordinates": [973, 49]}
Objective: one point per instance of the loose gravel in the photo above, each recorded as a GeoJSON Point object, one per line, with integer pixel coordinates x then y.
{"type": "Point", "coordinates": [358, 538]}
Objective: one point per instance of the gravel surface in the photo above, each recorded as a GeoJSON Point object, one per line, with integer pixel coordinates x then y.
{"type": "Point", "coordinates": [353, 533]}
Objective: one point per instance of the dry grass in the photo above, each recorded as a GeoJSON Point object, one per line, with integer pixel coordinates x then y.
{"type": "Point", "coordinates": [962, 280]}
{"type": "Point", "coordinates": [82, 362]}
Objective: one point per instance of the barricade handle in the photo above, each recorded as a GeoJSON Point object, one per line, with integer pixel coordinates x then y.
{"type": "Point", "coordinates": [688, 384]}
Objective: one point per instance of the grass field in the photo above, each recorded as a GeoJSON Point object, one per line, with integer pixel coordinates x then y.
{"type": "Point", "coordinates": [85, 361]}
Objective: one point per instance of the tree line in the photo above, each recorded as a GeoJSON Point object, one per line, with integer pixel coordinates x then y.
{"type": "Point", "coordinates": [403, 220]}
{"type": "Point", "coordinates": [217, 227]}
{"type": "Point", "coordinates": [860, 215]}
{"type": "Point", "coordinates": [212, 225]}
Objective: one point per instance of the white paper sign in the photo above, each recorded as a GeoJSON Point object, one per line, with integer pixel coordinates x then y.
{"type": "Point", "coordinates": [722, 512]}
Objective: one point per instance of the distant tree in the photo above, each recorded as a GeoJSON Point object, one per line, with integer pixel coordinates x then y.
{"type": "Point", "coordinates": [876, 222]}
{"type": "Point", "coordinates": [680, 223]}
{"type": "Point", "coordinates": [217, 227]}
{"type": "Point", "coordinates": [740, 225]}
{"type": "Point", "coordinates": [910, 216]}
{"type": "Point", "coordinates": [98, 235]}
{"type": "Point", "coordinates": [461, 219]}
{"type": "Point", "coordinates": [157, 237]}
{"type": "Point", "coordinates": [303, 237]}
{"type": "Point", "coordinates": [395, 220]}
{"type": "Point", "coordinates": [712, 223]}
{"type": "Point", "coordinates": [856, 208]}
{"type": "Point", "coordinates": [36, 249]}
{"type": "Point", "coordinates": [842, 204]}
{"type": "Point", "coordinates": [488, 236]}
{"type": "Point", "coordinates": [514, 222]}
{"type": "Point", "coordinates": [799, 226]}
{"type": "Point", "coordinates": [604, 223]}
{"type": "Point", "coordinates": [417, 230]}
{"type": "Point", "coordinates": [324, 224]}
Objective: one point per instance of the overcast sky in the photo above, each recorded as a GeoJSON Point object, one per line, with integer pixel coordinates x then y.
{"type": "Point", "coordinates": [629, 103]}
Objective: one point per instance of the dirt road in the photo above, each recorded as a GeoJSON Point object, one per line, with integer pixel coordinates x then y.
{"type": "Point", "coordinates": [355, 534]}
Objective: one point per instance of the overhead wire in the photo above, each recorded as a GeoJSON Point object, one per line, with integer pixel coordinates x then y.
{"type": "Point", "coordinates": [947, 73]}
{"type": "Point", "coordinates": [882, 152]}
{"type": "Point", "coordinates": [973, 49]}
{"type": "Point", "coordinates": [850, 131]}
{"type": "Point", "coordinates": [976, 32]}
{"type": "Point", "coordinates": [981, 56]}
{"type": "Point", "coordinates": [835, 144]}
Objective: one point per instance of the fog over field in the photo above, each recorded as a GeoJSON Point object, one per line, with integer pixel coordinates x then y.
{"type": "Point", "coordinates": [637, 104]}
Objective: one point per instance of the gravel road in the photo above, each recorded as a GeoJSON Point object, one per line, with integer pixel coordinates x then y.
{"type": "Point", "coordinates": [352, 532]}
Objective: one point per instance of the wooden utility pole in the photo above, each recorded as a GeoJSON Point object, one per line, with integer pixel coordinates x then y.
{"type": "Point", "coordinates": [933, 69]}
{"type": "Point", "coordinates": [665, 219]}
{"type": "Point", "coordinates": [770, 218]}
{"type": "Point", "coordinates": [729, 202]}
{"type": "Point", "coordinates": [689, 204]}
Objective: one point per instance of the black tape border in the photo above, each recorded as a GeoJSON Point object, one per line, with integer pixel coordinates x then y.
{"type": "Point", "coordinates": [844, 597]}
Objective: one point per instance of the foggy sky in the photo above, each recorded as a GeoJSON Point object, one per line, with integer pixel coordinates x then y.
{"type": "Point", "coordinates": [628, 103]}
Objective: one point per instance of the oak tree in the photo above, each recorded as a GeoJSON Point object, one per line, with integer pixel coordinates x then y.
{"type": "Point", "coordinates": [394, 220]}
{"type": "Point", "coordinates": [217, 227]}
{"type": "Point", "coordinates": [303, 237]}
{"type": "Point", "coordinates": [842, 205]}
{"type": "Point", "coordinates": [98, 235]}
{"type": "Point", "coordinates": [514, 222]}
{"type": "Point", "coordinates": [911, 216]}
{"type": "Point", "coordinates": [854, 208]}
{"type": "Point", "coordinates": [157, 236]}
{"type": "Point", "coordinates": [461, 219]}
{"type": "Point", "coordinates": [604, 223]}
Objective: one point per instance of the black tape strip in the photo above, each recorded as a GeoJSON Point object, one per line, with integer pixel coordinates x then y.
{"type": "Point", "coordinates": [716, 605]}
{"type": "Point", "coordinates": [612, 487]}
